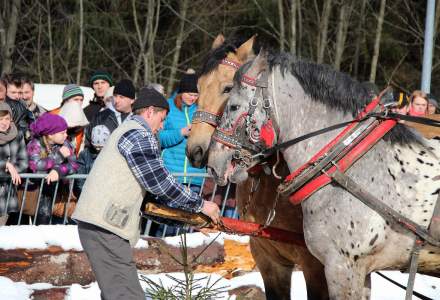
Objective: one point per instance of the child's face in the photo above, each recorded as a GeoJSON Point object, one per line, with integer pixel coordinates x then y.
{"type": "Point", "coordinates": [5, 123]}
{"type": "Point", "coordinates": [58, 138]}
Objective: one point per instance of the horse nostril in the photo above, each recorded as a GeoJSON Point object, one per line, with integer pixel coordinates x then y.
{"type": "Point", "coordinates": [196, 156]}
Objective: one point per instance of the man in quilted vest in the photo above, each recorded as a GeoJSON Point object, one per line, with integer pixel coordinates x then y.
{"type": "Point", "coordinates": [108, 210]}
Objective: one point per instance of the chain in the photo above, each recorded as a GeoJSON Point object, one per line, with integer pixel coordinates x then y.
{"type": "Point", "coordinates": [272, 213]}
{"type": "Point", "coordinates": [254, 188]}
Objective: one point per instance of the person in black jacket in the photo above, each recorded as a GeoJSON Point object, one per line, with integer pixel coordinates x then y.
{"type": "Point", "coordinates": [20, 114]}
{"type": "Point", "coordinates": [117, 110]}
{"type": "Point", "coordinates": [100, 81]}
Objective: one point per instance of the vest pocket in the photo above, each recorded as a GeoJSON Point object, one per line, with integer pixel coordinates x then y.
{"type": "Point", "coordinates": [116, 215]}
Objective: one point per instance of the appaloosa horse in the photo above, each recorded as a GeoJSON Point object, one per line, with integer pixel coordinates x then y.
{"type": "Point", "coordinates": [275, 260]}
{"type": "Point", "coordinates": [402, 169]}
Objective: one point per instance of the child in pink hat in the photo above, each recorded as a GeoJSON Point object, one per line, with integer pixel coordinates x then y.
{"type": "Point", "coordinates": [50, 152]}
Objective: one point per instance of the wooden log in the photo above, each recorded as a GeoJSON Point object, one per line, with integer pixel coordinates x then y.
{"type": "Point", "coordinates": [58, 267]}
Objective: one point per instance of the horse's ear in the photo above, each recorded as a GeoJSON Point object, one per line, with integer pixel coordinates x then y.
{"type": "Point", "coordinates": [245, 51]}
{"type": "Point", "coordinates": [220, 39]}
{"type": "Point", "coordinates": [258, 65]}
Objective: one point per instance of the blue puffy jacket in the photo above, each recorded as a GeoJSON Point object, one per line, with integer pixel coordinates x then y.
{"type": "Point", "coordinates": [173, 143]}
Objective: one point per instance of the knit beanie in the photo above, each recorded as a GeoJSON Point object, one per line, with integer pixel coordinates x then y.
{"type": "Point", "coordinates": [11, 133]}
{"type": "Point", "coordinates": [99, 74]}
{"type": "Point", "coordinates": [71, 90]}
{"type": "Point", "coordinates": [150, 97]}
{"type": "Point", "coordinates": [100, 135]}
{"type": "Point", "coordinates": [5, 107]}
{"type": "Point", "coordinates": [188, 84]}
{"type": "Point", "coordinates": [47, 124]}
{"type": "Point", "coordinates": [125, 88]}
{"type": "Point", "coordinates": [74, 115]}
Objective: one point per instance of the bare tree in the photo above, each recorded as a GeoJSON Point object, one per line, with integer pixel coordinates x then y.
{"type": "Point", "coordinates": [293, 9]}
{"type": "Point", "coordinates": [149, 57]}
{"type": "Point", "coordinates": [49, 33]}
{"type": "Point", "coordinates": [8, 32]}
{"type": "Point", "coordinates": [178, 46]}
{"type": "Point", "coordinates": [323, 30]}
{"type": "Point", "coordinates": [359, 37]}
{"type": "Point", "coordinates": [343, 22]}
{"type": "Point", "coordinates": [81, 41]}
{"type": "Point", "coordinates": [375, 58]}
{"type": "Point", "coordinates": [281, 20]}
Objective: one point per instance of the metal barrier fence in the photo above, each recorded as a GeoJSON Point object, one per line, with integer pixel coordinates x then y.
{"type": "Point", "coordinates": [40, 203]}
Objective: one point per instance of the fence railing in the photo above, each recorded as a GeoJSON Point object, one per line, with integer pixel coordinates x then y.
{"type": "Point", "coordinates": [36, 202]}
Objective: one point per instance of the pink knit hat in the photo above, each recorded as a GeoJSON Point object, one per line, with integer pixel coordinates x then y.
{"type": "Point", "coordinates": [47, 124]}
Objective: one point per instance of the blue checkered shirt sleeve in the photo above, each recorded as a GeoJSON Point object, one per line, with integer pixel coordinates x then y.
{"type": "Point", "coordinates": [141, 151]}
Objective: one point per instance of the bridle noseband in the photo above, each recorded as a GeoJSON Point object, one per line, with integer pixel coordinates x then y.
{"type": "Point", "coordinates": [211, 118]}
{"type": "Point", "coordinates": [244, 136]}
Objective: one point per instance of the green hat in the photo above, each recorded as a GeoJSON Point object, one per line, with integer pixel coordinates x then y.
{"type": "Point", "coordinates": [101, 75]}
{"type": "Point", "coordinates": [71, 90]}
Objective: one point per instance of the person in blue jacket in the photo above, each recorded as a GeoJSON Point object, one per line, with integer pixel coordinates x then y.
{"type": "Point", "coordinates": [177, 127]}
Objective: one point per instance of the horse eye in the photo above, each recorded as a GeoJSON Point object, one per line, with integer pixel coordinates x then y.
{"type": "Point", "coordinates": [235, 107]}
{"type": "Point", "coordinates": [227, 89]}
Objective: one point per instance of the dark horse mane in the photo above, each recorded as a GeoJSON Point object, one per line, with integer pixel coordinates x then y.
{"type": "Point", "coordinates": [332, 88]}
{"type": "Point", "coordinates": [214, 56]}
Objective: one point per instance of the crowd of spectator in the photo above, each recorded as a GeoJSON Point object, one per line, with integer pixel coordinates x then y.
{"type": "Point", "coordinates": [67, 140]}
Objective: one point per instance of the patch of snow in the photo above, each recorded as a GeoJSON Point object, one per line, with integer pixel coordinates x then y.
{"type": "Point", "coordinates": [381, 288]}
{"type": "Point", "coordinates": [50, 95]}
{"type": "Point", "coordinates": [13, 290]}
{"type": "Point", "coordinates": [43, 236]}
{"type": "Point", "coordinates": [197, 239]}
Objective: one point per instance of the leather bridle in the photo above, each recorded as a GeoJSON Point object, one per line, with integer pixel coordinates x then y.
{"type": "Point", "coordinates": [244, 136]}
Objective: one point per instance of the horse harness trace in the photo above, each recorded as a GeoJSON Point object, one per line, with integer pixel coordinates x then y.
{"type": "Point", "coordinates": [330, 163]}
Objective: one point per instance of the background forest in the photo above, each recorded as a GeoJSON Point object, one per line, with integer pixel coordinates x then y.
{"type": "Point", "coordinates": [155, 40]}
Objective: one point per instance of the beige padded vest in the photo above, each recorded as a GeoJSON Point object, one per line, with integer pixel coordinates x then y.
{"type": "Point", "coordinates": [111, 197]}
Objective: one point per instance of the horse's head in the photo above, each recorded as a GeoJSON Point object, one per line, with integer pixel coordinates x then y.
{"type": "Point", "coordinates": [214, 87]}
{"type": "Point", "coordinates": [247, 126]}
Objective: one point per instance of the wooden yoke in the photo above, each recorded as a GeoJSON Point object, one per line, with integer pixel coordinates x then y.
{"type": "Point", "coordinates": [228, 225]}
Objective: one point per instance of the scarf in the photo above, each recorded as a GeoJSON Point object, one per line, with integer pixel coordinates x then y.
{"type": "Point", "coordinates": [9, 135]}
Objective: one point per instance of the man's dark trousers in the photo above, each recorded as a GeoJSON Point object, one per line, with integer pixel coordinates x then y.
{"type": "Point", "coordinates": [112, 262]}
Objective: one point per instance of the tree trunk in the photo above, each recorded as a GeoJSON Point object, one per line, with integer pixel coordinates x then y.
{"type": "Point", "coordinates": [49, 32]}
{"type": "Point", "coordinates": [81, 41]}
{"type": "Point", "coordinates": [437, 17]}
{"type": "Point", "coordinates": [300, 30]}
{"type": "Point", "coordinates": [323, 30]}
{"type": "Point", "coordinates": [40, 29]}
{"type": "Point", "coordinates": [178, 46]}
{"type": "Point", "coordinates": [293, 8]}
{"type": "Point", "coordinates": [341, 36]}
{"type": "Point", "coordinates": [58, 267]}
{"type": "Point", "coordinates": [375, 58]}
{"type": "Point", "coordinates": [281, 20]}
{"type": "Point", "coordinates": [359, 38]}
{"type": "Point", "coordinates": [9, 34]}
{"type": "Point", "coordinates": [141, 39]}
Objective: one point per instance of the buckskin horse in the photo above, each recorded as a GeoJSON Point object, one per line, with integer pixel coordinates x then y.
{"type": "Point", "coordinates": [255, 196]}
{"type": "Point", "coordinates": [277, 98]}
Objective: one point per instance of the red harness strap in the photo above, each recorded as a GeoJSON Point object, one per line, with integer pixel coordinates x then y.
{"type": "Point", "coordinates": [343, 164]}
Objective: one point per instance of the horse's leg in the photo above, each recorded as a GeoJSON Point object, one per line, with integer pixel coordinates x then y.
{"type": "Point", "coordinates": [344, 278]}
{"type": "Point", "coordinates": [367, 287]}
{"type": "Point", "coordinates": [276, 276]}
{"type": "Point", "coordinates": [314, 275]}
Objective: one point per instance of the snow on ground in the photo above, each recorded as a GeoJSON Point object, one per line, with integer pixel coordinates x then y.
{"type": "Point", "coordinates": [66, 236]}
{"type": "Point", "coordinates": [381, 288]}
